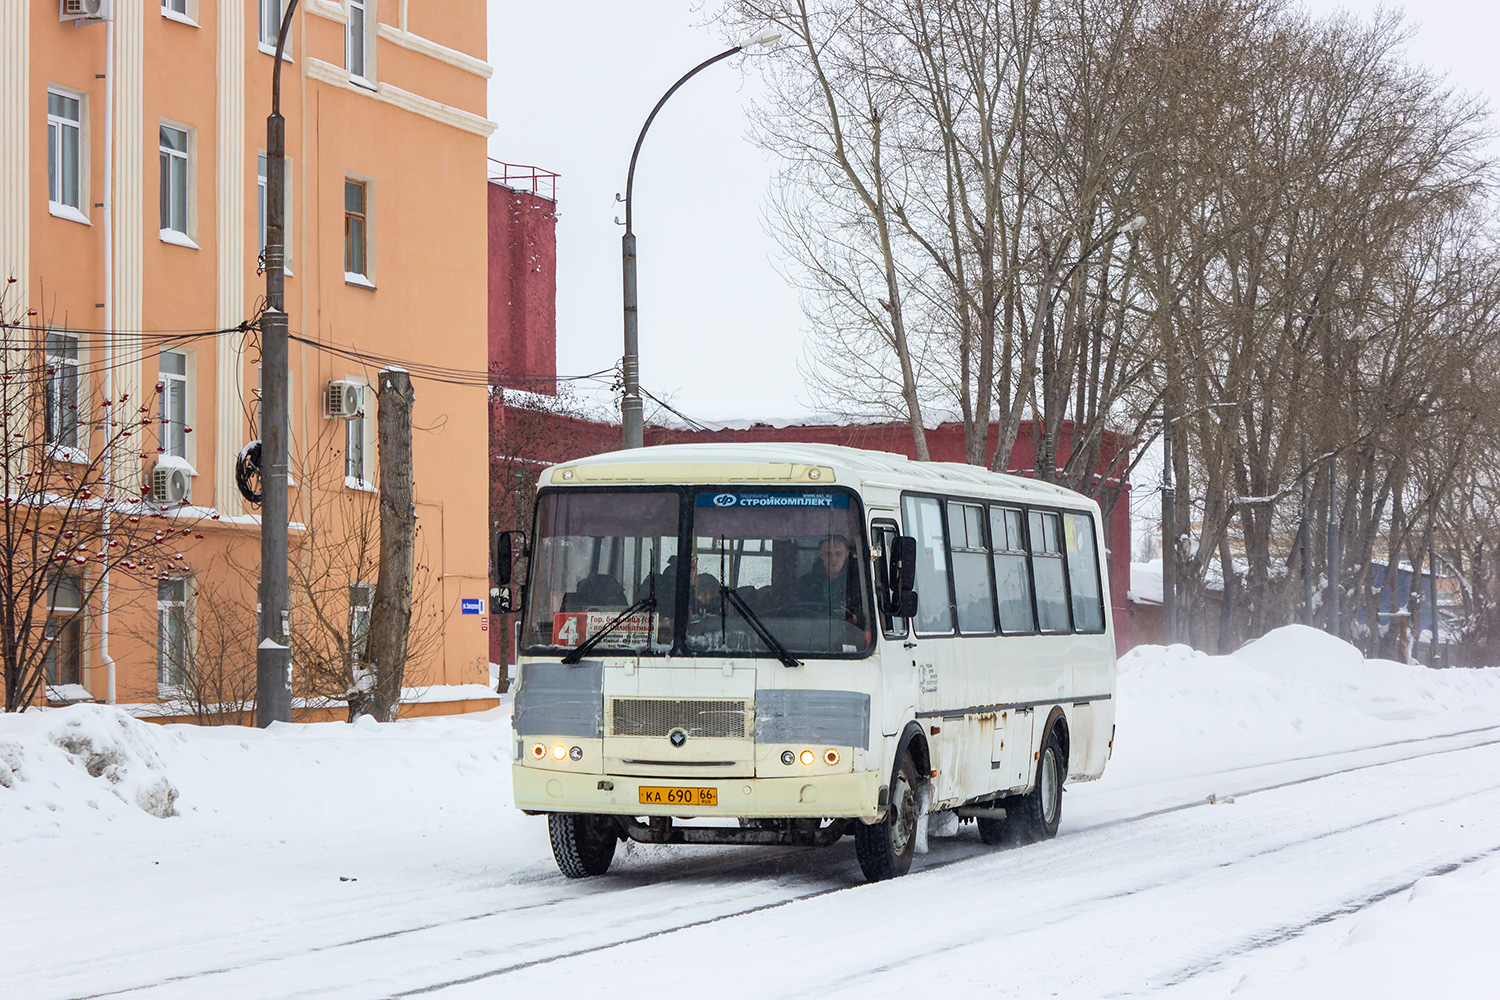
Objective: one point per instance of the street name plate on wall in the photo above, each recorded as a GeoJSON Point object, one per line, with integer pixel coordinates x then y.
{"type": "Point", "coordinates": [473, 605]}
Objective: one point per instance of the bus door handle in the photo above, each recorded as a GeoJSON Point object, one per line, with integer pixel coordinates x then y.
{"type": "Point", "coordinates": [909, 644]}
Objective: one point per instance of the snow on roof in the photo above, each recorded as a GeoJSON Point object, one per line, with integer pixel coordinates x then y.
{"type": "Point", "coordinates": [1145, 582]}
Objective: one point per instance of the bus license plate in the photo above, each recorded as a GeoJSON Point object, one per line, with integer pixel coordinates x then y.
{"type": "Point", "coordinates": [661, 795]}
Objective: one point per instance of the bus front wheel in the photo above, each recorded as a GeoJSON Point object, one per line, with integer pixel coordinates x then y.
{"type": "Point", "coordinates": [583, 844]}
{"type": "Point", "coordinates": [1036, 814]}
{"type": "Point", "coordinates": [885, 849]}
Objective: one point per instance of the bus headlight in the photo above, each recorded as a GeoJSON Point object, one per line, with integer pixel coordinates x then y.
{"type": "Point", "coordinates": [559, 752]}
{"type": "Point", "coordinates": [807, 758]}
{"type": "Point", "coordinates": [830, 757]}
{"type": "Point", "coordinates": [538, 751]}
{"type": "Point", "coordinates": [788, 758]}
{"type": "Point", "coordinates": [576, 753]}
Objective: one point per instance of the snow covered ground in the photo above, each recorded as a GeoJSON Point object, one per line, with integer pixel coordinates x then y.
{"type": "Point", "coordinates": [1291, 821]}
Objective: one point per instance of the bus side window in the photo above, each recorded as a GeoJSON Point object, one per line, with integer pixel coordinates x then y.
{"type": "Point", "coordinates": [1083, 574]}
{"type": "Point", "coordinates": [1012, 577]}
{"type": "Point", "coordinates": [924, 521]}
{"type": "Point", "coordinates": [972, 585]}
{"type": "Point", "coordinates": [1047, 570]}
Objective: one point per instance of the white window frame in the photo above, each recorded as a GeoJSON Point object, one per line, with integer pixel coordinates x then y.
{"type": "Point", "coordinates": [365, 278]}
{"type": "Point", "coordinates": [58, 128]}
{"type": "Point", "coordinates": [266, 31]}
{"type": "Point", "coordinates": [360, 431]}
{"type": "Point", "coordinates": [360, 29]}
{"type": "Point", "coordinates": [262, 203]}
{"type": "Point", "coordinates": [359, 624]}
{"type": "Point", "coordinates": [182, 11]}
{"type": "Point", "coordinates": [176, 387]}
{"type": "Point", "coordinates": [169, 676]}
{"type": "Point", "coordinates": [166, 156]}
{"type": "Point", "coordinates": [62, 369]}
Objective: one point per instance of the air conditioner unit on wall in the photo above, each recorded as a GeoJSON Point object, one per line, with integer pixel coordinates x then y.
{"type": "Point", "coordinates": [88, 10]}
{"type": "Point", "coordinates": [170, 484]}
{"type": "Point", "coordinates": [345, 400]}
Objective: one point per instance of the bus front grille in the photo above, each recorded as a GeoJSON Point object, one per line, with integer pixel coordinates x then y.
{"type": "Point", "coordinates": [659, 716]}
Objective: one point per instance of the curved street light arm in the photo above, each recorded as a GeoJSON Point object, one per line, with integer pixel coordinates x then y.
{"type": "Point", "coordinates": [630, 177]}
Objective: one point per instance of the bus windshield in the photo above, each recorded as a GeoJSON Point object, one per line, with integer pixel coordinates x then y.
{"type": "Point", "coordinates": [597, 555]}
{"type": "Point", "coordinates": [795, 560]}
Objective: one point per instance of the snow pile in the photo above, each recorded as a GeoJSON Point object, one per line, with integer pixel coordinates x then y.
{"type": "Point", "coordinates": [1436, 941]}
{"type": "Point", "coordinates": [1295, 691]}
{"type": "Point", "coordinates": [58, 767]}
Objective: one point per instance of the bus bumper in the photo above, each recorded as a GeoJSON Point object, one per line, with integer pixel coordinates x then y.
{"type": "Point", "coordinates": [832, 796]}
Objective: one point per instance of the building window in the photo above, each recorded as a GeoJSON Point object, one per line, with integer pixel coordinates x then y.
{"type": "Point", "coordinates": [177, 7]}
{"type": "Point", "coordinates": [173, 409]}
{"type": "Point", "coordinates": [64, 150]}
{"type": "Point", "coordinates": [60, 390]}
{"type": "Point", "coordinates": [171, 632]}
{"type": "Point", "coordinates": [361, 597]}
{"type": "Point", "coordinates": [262, 199]}
{"type": "Point", "coordinates": [357, 40]}
{"type": "Point", "coordinates": [356, 230]}
{"type": "Point", "coordinates": [63, 660]}
{"type": "Point", "coordinates": [174, 180]}
{"type": "Point", "coordinates": [356, 470]}
{"type": "Point", "coordinates": [270, 24]}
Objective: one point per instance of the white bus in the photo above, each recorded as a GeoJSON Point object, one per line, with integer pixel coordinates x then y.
{"type": "Point", "coordinates": [814, 641]}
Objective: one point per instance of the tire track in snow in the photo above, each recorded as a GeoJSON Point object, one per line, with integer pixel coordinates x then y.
{"type": "Point", "coordinates": [954, 855]}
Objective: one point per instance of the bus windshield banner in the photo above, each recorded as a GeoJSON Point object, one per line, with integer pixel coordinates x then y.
{"type": "Point", "coordinates": [830, 501]}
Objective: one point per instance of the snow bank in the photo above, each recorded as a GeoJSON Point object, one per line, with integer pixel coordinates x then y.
{"type": "Point", "coordinates": [78, 766]}
{"type": "Point", "coordinates": [1294, 691]}
{"type": "Point", "coordinates": [1436, 940]}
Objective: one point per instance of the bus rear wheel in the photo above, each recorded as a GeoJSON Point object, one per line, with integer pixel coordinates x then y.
{"type": "Point", "coordinates": [886, 848]}
{"type": "Point", "coordinates": [582, 843]}
{"type": "Point", "coordinates": [1036, 814]}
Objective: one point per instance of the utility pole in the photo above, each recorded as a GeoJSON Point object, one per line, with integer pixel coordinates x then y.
{"type": "Point", "coordinates": [1306, 541]}
{"type": "Point", "coordinates": [273, 657]}
{"type": "Point", "coordinates": [1335, 569]}
{"type": "Point", "coordinates": [1168, 533]}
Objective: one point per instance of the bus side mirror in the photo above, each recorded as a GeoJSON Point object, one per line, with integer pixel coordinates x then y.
{"type": "Point", "coordinates": [503, 601]}
{"type": "Point", "coordinates": [504, 555]}
{"type": "Point", "coordinates": [903, 576]}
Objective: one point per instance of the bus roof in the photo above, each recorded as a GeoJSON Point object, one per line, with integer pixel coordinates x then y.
{"type": "Point", "coordinates": [797, 463]}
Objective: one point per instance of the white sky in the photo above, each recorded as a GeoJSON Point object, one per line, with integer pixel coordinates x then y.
{"type": "Point", "coordinates": [721, 332]}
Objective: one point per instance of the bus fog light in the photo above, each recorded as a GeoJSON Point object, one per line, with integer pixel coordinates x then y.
{"type": "Point", "coordinates": [559, 752]}
{"type": "Point", "coordinates": [831, 757]}
{"type": "Point", "coordinates": [788, 758]}
{"type": "Point", "coordinates": [807, 758]}
{"type": "Point", "coordinates": [576, 753]}
{"type": "Point", "coordinates": [538, 751]}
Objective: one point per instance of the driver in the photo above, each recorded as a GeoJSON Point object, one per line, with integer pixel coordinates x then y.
{"type": "Point", "coordinates": [826, 585]}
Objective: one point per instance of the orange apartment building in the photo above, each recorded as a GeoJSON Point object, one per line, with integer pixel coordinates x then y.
{"type": "Point", "coordinates": [132, 194]}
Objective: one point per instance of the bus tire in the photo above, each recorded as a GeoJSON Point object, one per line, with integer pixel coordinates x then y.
{"type": "Point", "coordinates": [1036, 814]}
{"type": "Point", "coordinates": [885, 849]}
{"type": "Point", "coordinates": [583, 844]}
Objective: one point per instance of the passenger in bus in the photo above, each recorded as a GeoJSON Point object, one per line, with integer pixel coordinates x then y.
{"type": "Point", "coordinates": [596, 592]}
{"type": "Point", "coordinates": [706, 594]}
{"type": "Point", "coordinates": [827, 587]}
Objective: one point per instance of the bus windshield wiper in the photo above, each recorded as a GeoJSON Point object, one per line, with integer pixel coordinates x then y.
{"type": "Point", "coordinates": [759, 626]}
{"type": "Point", "coordinates": [647, 603]}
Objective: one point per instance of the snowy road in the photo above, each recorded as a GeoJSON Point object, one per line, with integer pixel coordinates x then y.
{"type": "Point", "coordinates": [339, 862]}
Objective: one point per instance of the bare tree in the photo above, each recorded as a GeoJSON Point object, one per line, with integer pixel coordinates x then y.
{"type": "Point", "coordinates": [78, 510]}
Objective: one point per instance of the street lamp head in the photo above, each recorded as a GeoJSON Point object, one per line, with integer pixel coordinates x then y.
{"type": "Point", "coordinates": [764, 39]}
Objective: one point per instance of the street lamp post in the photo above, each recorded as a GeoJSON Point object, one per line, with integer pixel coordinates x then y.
{"type": "Point", "coordinates": [273, 657]}
{"type": "Point", "coordinates": [631, 419]}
